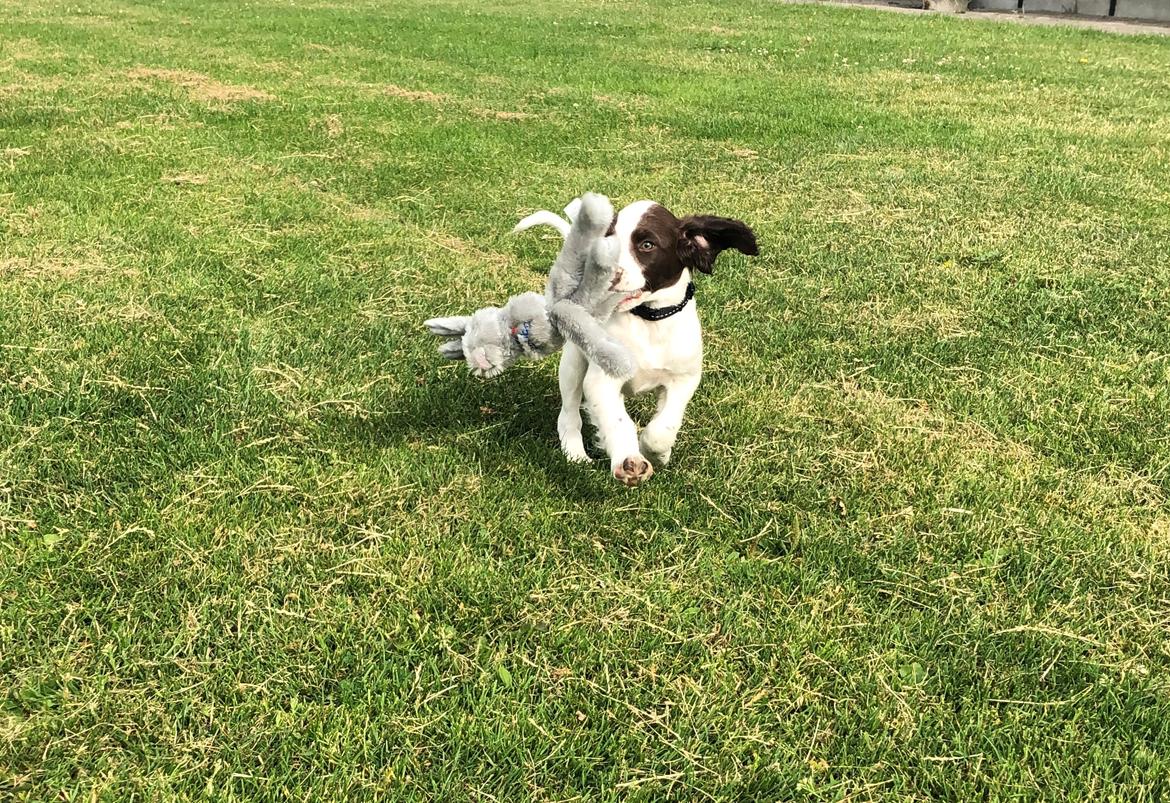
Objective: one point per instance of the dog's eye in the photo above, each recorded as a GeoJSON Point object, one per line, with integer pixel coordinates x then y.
{"type": "Point", "coordinates": [646, 245]}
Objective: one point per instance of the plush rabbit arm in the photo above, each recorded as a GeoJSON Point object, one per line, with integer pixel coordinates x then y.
{"type": "Point", "coordinates": [580, 315]}
{"type": "Point", "coordinates": [577, 325]}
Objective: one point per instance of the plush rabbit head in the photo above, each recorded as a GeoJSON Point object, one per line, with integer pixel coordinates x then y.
{"type": "Point", "coordinates": [484, 340]}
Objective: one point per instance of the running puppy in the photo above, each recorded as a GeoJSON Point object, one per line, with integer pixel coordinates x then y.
{"type": "Point", "coordinates": [659, 325]}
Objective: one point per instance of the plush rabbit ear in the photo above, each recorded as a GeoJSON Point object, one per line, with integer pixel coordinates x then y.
{"type": "Point", "coordinates": [452, 349]}
{"type": "Point", "coordinates": [454, 326]}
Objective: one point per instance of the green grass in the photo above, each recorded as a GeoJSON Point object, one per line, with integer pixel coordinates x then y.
{"type": "Point", "coordinates": [256, 542]}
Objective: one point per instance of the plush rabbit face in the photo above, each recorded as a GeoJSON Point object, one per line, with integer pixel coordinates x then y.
{"type": "Point", "coordinates": [488, 346]}
{"type": "Point", "coordinates": [483, 340]}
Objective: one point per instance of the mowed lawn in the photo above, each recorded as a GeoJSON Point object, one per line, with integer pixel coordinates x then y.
{"type": "Point", "coordinates": [257, 542]}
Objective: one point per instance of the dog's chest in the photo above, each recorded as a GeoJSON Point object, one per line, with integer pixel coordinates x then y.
{"type": "Point", "coordinates": [661, 349]}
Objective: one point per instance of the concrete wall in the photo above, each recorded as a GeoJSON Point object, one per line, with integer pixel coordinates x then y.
{"type": "Point", "coordinates": [1093, 8]}
{"type": "Point", "coordinates": [1144, 9]}
{"type": "Point", "coordinates": [1135, 9]}
{"type": "Point", "coordinates": [1053, 6]}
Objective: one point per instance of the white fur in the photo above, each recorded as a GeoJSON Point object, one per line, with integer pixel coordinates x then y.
{"type": "Point", "coordinates": [669, 358]}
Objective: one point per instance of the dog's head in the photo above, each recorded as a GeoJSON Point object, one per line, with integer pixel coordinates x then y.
{"type": "Point", "coordinates": [659, 248]}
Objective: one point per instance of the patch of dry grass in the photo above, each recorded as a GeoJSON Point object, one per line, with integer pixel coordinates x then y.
{"type": "Point", "coordinates": [200, 87]}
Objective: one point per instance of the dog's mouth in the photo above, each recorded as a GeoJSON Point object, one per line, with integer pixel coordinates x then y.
{"type": "Point", "coordinates": [632, 299]}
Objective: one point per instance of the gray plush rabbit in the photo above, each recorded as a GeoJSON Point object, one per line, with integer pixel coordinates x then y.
{"type": "Point", "coordinates": [578, 298]}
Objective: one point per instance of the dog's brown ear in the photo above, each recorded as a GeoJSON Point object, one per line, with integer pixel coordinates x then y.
{"type": "Point", "coordinates": [701, 238]}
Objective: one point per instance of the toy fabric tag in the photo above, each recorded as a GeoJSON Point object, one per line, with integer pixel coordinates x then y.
{"type": "Point", "coordinates": [522, 333]}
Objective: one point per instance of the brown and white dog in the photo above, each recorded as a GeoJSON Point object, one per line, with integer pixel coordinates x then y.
{"type": "Point", "coordinates": [660, 327]}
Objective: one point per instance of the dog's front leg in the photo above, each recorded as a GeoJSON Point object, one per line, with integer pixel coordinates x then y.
{"type": "Point", "coordinates": [571, 378]}
{"type": "Point", "coordinates": [658, 437]}
{"type": "Point", "coordinates": [618, 434]}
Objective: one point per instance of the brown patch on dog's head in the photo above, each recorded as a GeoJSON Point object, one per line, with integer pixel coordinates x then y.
{"type": "Point", "coordinates": [654, 243]}
{"type": "Point", "coordinates": [663, 246]}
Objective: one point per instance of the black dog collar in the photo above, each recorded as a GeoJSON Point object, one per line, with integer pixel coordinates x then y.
{"type": "Point", "coordinates": [659, 313]}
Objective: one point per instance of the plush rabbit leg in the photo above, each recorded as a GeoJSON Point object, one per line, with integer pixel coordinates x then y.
{"type": "Point", "coordinates": [599, 290]}
{"type": "Point", "coordinates": [579, 317]}
{"type": "Point", "coordinates": [547, 218]}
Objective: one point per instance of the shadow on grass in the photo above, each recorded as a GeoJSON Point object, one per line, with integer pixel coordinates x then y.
{"type": "Point", "coordinates": [505, 426]}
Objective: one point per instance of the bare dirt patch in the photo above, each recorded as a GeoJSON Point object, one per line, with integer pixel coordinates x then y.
{"type": "Point", "coordinates": [715, 29]}
{"type": "Point", "coordinates": [26, 49]}
{"type": "Point", "coordinates": [188, 179]}
{"type": "Point", "coordinates": [462, 247]}
{"type": "Point", "coordinates": [200, 87]}
{"type": "Point", "coordinates": [28, 84]}
{"type": "Point", "coordinates": [331, 124]}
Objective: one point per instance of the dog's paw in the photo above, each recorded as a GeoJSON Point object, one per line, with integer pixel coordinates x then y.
{"type": "Point", "coordinates": [658, 458]}
{"type": "Point", "coordinates": [569, 431]}
{"type": "Point", "coordinates": [656, 445]}
{"type": "Point", "coordinates": [633, 471]}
